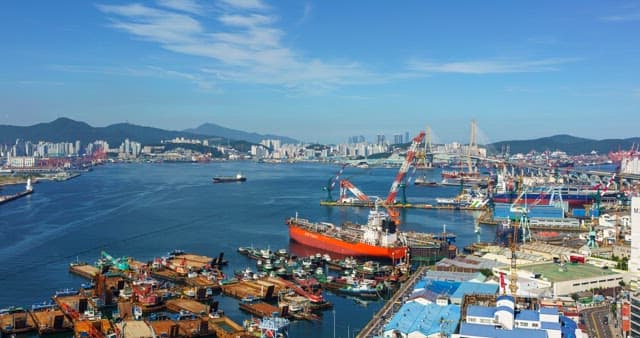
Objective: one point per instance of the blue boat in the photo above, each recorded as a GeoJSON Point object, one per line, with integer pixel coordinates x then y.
{"type": "Point", "coordinates": [66, 292]}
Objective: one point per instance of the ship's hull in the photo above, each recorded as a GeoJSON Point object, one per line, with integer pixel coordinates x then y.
{"type": "Point", "coordinates": [228, 179]}
{"type": "Point", "coordinates": [320, 241]}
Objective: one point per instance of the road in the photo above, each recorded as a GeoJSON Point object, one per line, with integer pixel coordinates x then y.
{"type": "Point", "coordinates": [594, 320]}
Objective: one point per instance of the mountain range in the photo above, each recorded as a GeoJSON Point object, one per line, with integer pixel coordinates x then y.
{"type": "Point", "coordinates": [68, 130]}
{"type": "Point", "coordinates": [211, 129]}
{"type": "Point", "coordinates": [570, 144]}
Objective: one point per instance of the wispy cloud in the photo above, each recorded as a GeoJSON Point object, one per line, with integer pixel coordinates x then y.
{"type": "Point", "coordinates": [203, 82]}
{"type": "Point", "coordinates": [626, 17]}
{"type": "Point", "coordinates": [246, 4]}
{"type": "Point", "coordinates": [495, 66]}
{"type": "Point", "coordinates": [247, 45]}
{"type": "Point", "coordinates": [188, 6]}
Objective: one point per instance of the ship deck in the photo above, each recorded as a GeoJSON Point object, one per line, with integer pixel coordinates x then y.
{"type": "Point", "coordinates": [190, 305]}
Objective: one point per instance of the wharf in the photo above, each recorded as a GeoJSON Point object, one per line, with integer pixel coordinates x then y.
{"type": "Point", "coordinates": [134, 329]}
{"type": "Point", "coordinates": [184, 304]}
{"type": "Point", "coordinates": [7, 198]}
{"type": "Point", "coordinates": [259, 309]}
{"type": "Point", "coordinates": [88, 328]}
{"type": "Point", "coordinates": [169, 275]}
{"type": "Point", "coordinates": [224, 327]}
{"type": "Point", "coordinates": [51, 321]}
{"type": "Point", "coordinates": [377, 321]}
{"type": "Point", "coordinates": [401, 205]}
{"type": "Point", "coordinates": [254, 289]}
{"type": "Point", "coordinates": [84, 270]}
{"type": "Point", "coordinates": [16, 321]}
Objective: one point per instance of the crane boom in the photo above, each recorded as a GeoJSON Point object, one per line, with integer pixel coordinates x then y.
{"type": "Point", "coordinates": [408, 160]}
{"type": "Point", "coordinates": [345, 184]}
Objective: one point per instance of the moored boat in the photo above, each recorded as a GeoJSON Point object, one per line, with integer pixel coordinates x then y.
{"type": "Point", "coordinates": [377, 238]}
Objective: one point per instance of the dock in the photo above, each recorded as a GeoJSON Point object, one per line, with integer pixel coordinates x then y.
{"type": "Point", "coordinates": [254, 289]}
{"type": "Point", "coordinates": [361, 204]}
{"type": "Point", "coordinates": [259, 309]}
{"type": "Point", "coordinates": [84, 270]}
{"type": "Point", "coordinates": [17, 320]}
{"type": "Point", "coordinates": [377, 321]}
{"type": "Point", "coordinates": [51, 321]}
{"type": "Point", "coordinates": [184, 304]}
{"type": "Point", "coordinates": [224, 327]}
{"type": "Point", "coordinates": [8, 198]}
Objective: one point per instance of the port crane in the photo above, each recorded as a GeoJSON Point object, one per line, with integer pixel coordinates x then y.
{"type": "Point", "coordinates": [332, 183]}
{"type": "Point", "coordinates": [408, 161]}
{"type": "Point", "coordinates": [121, 263]}
{"type": "Point", "coordinates": [347, 185]}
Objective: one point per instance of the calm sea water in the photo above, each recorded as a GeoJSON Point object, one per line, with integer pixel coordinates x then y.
{"type": "Point", "coordinates": [146, 210]}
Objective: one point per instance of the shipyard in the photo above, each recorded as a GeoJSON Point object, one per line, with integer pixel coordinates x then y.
{"type": "Point", "coordinates": [256, 168]}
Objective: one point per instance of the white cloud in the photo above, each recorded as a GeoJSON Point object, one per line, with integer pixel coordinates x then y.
{"type": "Point", "coordinates": [496, 66]}
{"type": "Point", "coordinates": [188, 6]}
{"type": "Point", "coordinates": [621, 17]}
{"type": "Point", "coordinates": [245, 4]}
{"type": "Point", "coordinates": [245, 47]}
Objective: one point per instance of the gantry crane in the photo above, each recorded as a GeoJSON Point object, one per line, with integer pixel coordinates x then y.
{"type": "Point", "coordinates": [332, 183]}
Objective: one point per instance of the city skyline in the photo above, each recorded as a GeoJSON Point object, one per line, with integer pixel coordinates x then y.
{"type": "Point", "coordinates": [326, 71]}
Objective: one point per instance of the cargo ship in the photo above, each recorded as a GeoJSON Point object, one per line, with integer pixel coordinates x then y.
{"type": "Point", "coordinates": [377, 238]}
{"type": "Point", "coordinates": [227, 179]}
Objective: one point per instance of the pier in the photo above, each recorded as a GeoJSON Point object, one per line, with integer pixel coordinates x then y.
{"type": "Point", "coordinates": [378, 320]}
{"type": "Point", "coordinates": [8, 198]}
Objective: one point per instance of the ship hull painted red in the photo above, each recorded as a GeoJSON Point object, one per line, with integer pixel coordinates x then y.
{"type": "Point", "coordinates": [323, 242]}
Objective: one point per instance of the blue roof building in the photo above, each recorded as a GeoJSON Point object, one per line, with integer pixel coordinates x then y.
{"type": "Point", "coordinates": [505, 321]}
{"type": "Point", "coordinates": [417, 320]}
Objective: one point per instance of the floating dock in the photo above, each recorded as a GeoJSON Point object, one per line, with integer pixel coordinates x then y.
{"type": "Point", "coordinates": [184, 304]}
{"type": "Point", "coordinates": [224, 327]}
{"type": "Point", "coordinates": [254, 289]}
{"type": "Point", "coordinates": [259, 309]}
{"type": "Point", "coordinates": [16, 320]}
{"type": "Point", "coordinates": [51, 321]}
{"type": "Point", "coordinates": [84, 270]}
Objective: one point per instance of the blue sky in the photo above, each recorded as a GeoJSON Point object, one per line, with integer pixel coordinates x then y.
{"type": "Point", "coordinates": [326, 70]}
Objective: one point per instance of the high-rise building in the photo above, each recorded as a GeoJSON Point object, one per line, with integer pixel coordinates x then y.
{"type": "Point", "coordinates": [380, 139]}
{"type": "Point", "coordinates": [634, 262]}
{"type": "Point", "coordinates": [397, 139]}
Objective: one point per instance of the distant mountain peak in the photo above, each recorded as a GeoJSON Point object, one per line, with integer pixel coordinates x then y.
{"type": "Point", "coordinates": [212, 129]}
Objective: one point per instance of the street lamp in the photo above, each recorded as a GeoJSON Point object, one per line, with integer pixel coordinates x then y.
{"type": "Point", "coordinates": [334, 322]}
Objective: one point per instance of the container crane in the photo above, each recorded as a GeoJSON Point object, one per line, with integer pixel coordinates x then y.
{"type": "Point", "coordinates": [408, 160]}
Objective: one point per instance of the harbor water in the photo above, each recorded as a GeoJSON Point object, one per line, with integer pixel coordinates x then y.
{"type": "Point", "coordinates": [146, 210]}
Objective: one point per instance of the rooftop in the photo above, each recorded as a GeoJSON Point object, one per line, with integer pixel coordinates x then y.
{"type": "Point", "coordinates": [479, 330]}
{"type": "Point", "coordinates": [414, 317]}
{"type": "Point", "coordinates": [552, 272]}
{"type": "Point", "coordinates": [467, 288]}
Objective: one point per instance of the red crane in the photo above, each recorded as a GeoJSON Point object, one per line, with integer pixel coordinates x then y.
{"type": "Point", "coordinates": [346, 185]}
{"type": "Point", "coordinates": [408, 160]}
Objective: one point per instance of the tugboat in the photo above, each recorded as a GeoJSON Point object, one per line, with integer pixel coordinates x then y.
{"type": "Point", "coordinates": [227, 179]}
